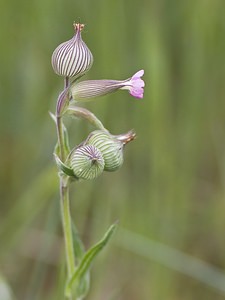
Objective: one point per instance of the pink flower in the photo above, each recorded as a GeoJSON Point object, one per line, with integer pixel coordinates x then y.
{"type": "Point", "coordinates": [84, 90]}
{"type": "Point", "coordinates": [135, 85]}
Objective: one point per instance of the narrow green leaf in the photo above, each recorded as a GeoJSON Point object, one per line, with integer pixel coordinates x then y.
{"type": "Point", "coordinates": [66, 140]}
{"type": "Point", "coordinates": [81, 288]}
{"type": "Point", "coordinates": [57, 149]}
{"type": "Point", "coordinates": [87, 260]}
{"type": "Point", "coordinates": [64, 168]}
{"type": "Point", "coordinates": [52, 116]}
{"type": "Point", "coordinates": [78, 246]}
{"type": "Point", "coordinates": [79, 251]}
{"type": "Point", "coordinates": [65, 136]}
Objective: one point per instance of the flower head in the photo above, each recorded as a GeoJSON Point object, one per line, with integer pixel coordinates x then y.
{"type": "Point", "coordinates": [135, 85]}
{"type": "Point", "coordinates": [72, 58]}
{"type": "Point", "coordinates": [84, 90]}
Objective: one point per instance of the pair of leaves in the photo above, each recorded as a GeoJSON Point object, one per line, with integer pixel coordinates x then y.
{"type": "Point", "coordinates": [79, 281]}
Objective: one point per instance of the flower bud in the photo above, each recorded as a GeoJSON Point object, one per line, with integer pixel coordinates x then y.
{"type": "Point", "coordinates": [87, 162]}
{"type": "Point", "coordinates": [72, 58]}
{"type": "Point", "coordinates": [110, 147]}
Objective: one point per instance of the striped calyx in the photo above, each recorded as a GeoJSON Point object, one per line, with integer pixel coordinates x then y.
{"type": "Point", "coordinates": [87, 162]}
{"type": "Point", "coordinates": [110, 147]}
{"type": "Point", "coordinates": [86, 90]}
{"type": "Point", "coordinates": [72, 58]}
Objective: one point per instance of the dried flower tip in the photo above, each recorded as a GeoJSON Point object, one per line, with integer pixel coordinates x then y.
{"type": "Point", "coordinates": [126, 137]}
{"type": "Point", "coordinates": [84, 90]}
{"type": "Point", "coordinates": [72, 58]}
{"type": "Point", "coordinates": [78, 26]}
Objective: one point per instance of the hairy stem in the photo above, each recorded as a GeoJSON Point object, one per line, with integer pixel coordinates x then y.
{"type": "Point", "coordinates": [64, 195]}
{"type": "Point", "coordinates": [67, 226]}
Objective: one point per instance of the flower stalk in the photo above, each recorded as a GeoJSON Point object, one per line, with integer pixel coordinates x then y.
{"type": "Point", "coordinates": [67, 225]}
{"type": "Point", "coordinates": [64, 187]}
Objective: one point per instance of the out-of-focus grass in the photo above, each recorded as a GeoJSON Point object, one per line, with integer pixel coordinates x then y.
{"type": "Point", "coordinates": [171, 187]}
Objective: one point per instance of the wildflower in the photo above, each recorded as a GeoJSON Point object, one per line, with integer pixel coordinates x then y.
{"type": "Point", "coordinates": [84, 90]}
{"type": "Point", "coordinates": [135, 85]}
{"type": "Point", "coordinates": [72, 58]}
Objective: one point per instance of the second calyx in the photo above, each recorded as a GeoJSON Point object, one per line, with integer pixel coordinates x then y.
{"type": "Point", "coordinates": [101, 151]}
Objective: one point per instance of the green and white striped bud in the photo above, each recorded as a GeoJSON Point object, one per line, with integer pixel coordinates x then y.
{"type": "Point", "coordinates": [111, 148]}
{"type": "Point", "coordinates": [87, 162]}
{"type": "Point", "coordinates": [72, 58]}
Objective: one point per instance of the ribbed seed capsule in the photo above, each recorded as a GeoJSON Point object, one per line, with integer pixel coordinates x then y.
{"type": "Point", "coordinates": [87, 162]}
{"type": "Point", "coordinates": [110, 147]}
{"type": "Point", "coordinates": [72, 58]}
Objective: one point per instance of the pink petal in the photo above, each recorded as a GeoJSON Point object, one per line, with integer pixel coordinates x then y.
{"type": "Point", "coordinates": [137, 92]}
{"type": "Point", "coordinates": [138, 82]}
{"type": "Point", "coordinates": [138, 74]}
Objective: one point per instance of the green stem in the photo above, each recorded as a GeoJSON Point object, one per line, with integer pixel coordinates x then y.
{"type": "Point", "coordinates": [64, 198]}
{"type": "Point", "coordinates": [84, 113]}
{"type": "Point", "coordinates": [67, 226]}
{"type": "Point", "coordinates": [65, 208]}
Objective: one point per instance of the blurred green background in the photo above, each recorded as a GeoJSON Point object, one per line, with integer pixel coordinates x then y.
{"type": "Point", "coordinates": [170, 194]}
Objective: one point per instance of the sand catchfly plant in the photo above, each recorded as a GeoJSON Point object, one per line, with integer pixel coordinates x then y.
{"type": "Point", "coordinates": [99, 152]}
